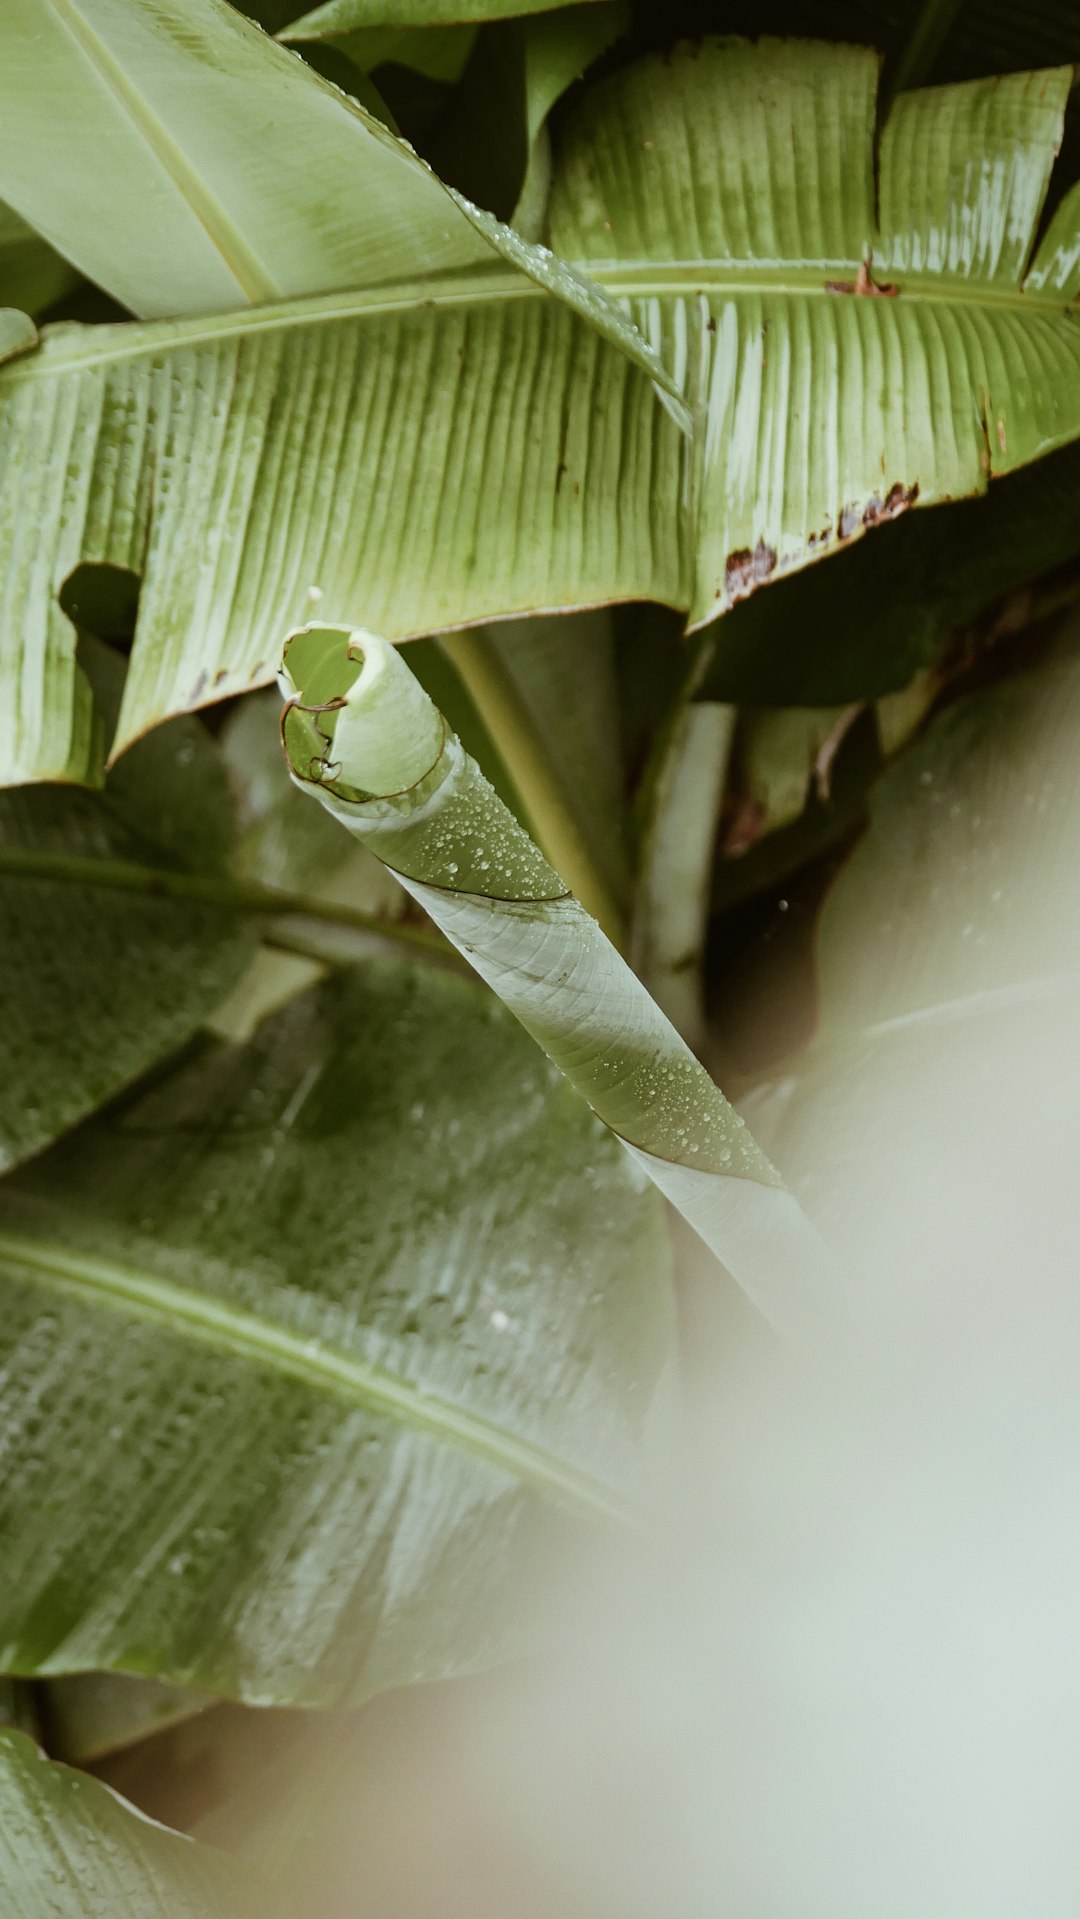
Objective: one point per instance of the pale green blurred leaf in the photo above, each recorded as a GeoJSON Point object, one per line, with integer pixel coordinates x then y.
{"type": "Point", "coordinates": [949, 963]}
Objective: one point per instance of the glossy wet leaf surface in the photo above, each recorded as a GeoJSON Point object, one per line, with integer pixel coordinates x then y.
{"type": "Point", "coordinates": [308, 1343]}
{"type": "Point", "coordinates": [70, 1849]}
{"type": "Point", "coordinates": [97, 985]}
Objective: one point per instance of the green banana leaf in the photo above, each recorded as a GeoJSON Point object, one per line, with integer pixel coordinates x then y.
{"type": "Point", "coordinates": [70, 1849]}
{"type": "Point", "coordinates": [482, 451]}
{"type": "Point", "coordinates": [310, 1345]}
{"type": "Point", "coordinates": [189, 164]}
{"type": "Point", "coordinates": [210, 172]}
{"type": "Point", "coordinates": [345, 16]}
{"type": "Point", "coordinates": [99, 985]}
{"type": "Point", "coordinates": [832, 398]}
{"type": "Point", "coordinates": [779, 751]}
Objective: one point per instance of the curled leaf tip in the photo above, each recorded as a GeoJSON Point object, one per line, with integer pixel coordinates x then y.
{"type": "Point", "coordinates": [357, 717]}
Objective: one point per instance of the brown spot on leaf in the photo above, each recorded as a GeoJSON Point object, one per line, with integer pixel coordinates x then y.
{"type": "Point", "coordinates": [744, 570]}
{"type": "Point", "coordinates": [896, 501]}
{"type": "Point", "coordinates": [849, 520]}
{"type": "Point", "coordinates": [864, 286]}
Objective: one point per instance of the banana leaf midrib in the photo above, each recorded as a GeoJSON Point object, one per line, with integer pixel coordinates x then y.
{"type": "Point", "coordinates": [132, 340]}
{"type": "Point", "coordinates": [225, 237]}
{"type": "Point", "coordinates": [734, 277]}
{"type": "Point", "coordinates": [252, 1337]}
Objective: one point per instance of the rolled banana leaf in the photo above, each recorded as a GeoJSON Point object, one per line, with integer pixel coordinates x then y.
{"type": "Point", "coordinates": [362, 735]}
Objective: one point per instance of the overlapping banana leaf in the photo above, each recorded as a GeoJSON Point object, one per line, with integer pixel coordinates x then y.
{"type": "Point", "coordinates": [98, 985]}
{"type": "Point", "coordinates": [189, 176]}
{"type": "Point", "coordinates": [70, 1849]}
{"type": "Point", "coordinates": [307, 1343]}
{"type": "Point", "coordinates": [445, 451]}
{"type": "Point", "coordinates": [189, 164]}
{"type": "Point", "coordinates": [833, 396]}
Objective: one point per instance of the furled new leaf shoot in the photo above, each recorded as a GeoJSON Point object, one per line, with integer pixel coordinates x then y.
{"type": "Point", "coordinates": [362, 735]}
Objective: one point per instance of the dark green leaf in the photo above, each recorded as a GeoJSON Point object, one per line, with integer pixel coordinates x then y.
{"type": "Point", "coordinates": [304, 1344]}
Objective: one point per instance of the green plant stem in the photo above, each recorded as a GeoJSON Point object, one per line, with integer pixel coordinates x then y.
{"type": "Point", "coordinates": [683, 779]}
{"type": "Point", "coordinates": [210, 889]}
{"type": "Point", "coordinates": [487, 679]}
{"type": "Point", "coordinates": [672, 908]}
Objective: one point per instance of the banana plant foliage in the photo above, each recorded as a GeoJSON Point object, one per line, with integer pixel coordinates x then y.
{"type": "Point", "coordinates": [450, 449]}
{"type": "Point", "coordinates": [188, 163]}
{"type": "Point", "coordinates": [309, 1340]}
{"type": "Point", "coordinates": [98, 984]}
{"type": "Point", "coordinates": [71, 1849]}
